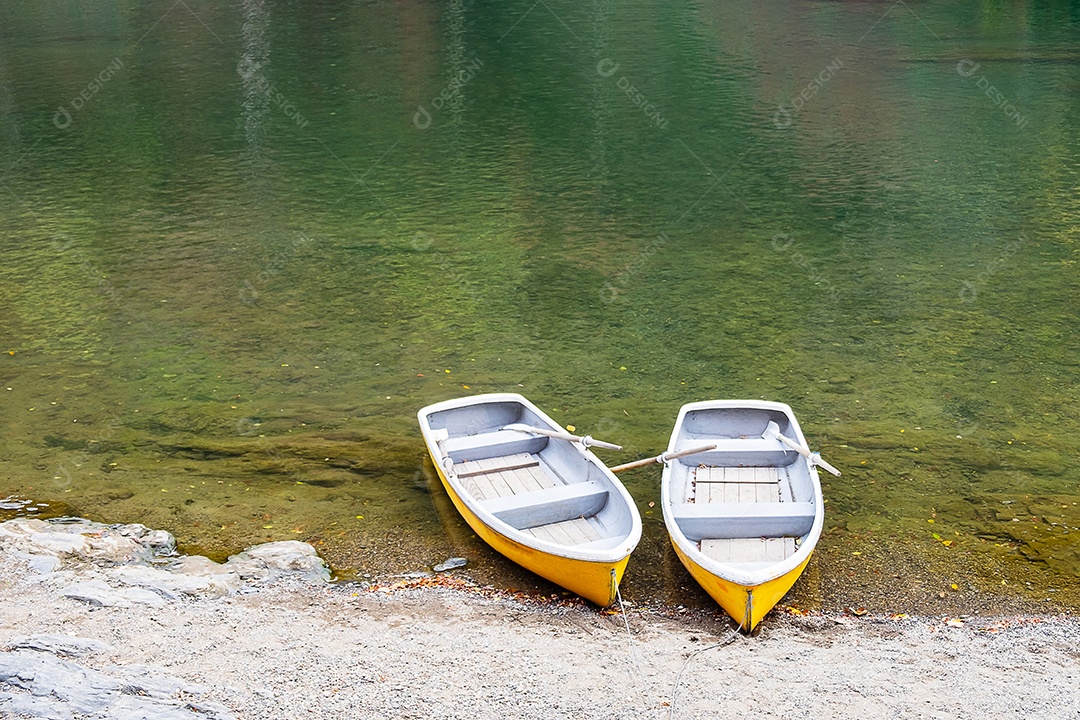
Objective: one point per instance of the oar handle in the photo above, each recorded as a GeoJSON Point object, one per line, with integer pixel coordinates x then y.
{"type": "Point", "coordinates": [662, 458]}
{"type": "Point", "coordinates": [635, 464]}
{"type": "Point", "coordinates": [801, 449]}
{"type": "Point", "coordinates": [590, 441]}
{"type": "Point", "coordinates": [586, 441]}
{"type": "Point", "coordinates": [817, 460]}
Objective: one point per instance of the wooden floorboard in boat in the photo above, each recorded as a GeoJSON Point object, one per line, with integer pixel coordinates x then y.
{"type": "Point", "coordinates": [749, 549]}
{"type": "Point", "coordinates": [568, 532]}
{"type": "Point", "coordinates": [735, 485]}
{"type": "Point", "coordinates": [522, 473]}
{"type": "Point", "coordinates": [502, 476]}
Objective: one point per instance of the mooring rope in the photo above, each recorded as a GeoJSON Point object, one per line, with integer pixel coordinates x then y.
{"type": "Point", "coordinates": [678, 678]}
{"type": "Point", "coordinates": [632, 649]}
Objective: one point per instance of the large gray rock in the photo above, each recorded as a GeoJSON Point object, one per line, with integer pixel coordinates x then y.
{"type": "Point", "coordinates": [127, 565]}
{"type": "Point", "coordinates": [172, 585]}
{"type": "Point", "coordinates": [38, 563]}
{"type": "Point", "coordinates": [59, 645]}
{"type": "Point", "coordinates": [272, 560]}
{"type": "Point", "coordinates": [39, 685]}
{"type": "Point", "coordinates": [86, 539]}
{"type": "Point", "coordinates": [25, 705]}
{"type": "Point", "coordinates": [99, 594]}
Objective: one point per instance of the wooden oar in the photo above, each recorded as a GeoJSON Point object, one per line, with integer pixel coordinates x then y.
{"type": "Point", "coordinates": [662, 458]}
{"type": "Point", "coordinates": [586, 440]}
{"type": "Point", "coordinates": [772, 430]}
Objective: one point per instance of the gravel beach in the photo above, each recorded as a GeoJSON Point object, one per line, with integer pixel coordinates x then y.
{"type": "Point", "coordinates": [287, 644]}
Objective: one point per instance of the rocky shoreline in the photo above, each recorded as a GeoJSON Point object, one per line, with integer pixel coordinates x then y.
{"type": "Point", "coordinates": [102, 621]}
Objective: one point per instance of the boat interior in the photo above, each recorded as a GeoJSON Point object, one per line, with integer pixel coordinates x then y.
{"type": "Point", "coordinates": [748, 502]}
{"type": "Point", "coordinates": [540, 486]}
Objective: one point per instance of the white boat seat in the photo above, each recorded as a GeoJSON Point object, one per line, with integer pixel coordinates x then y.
{"type": "Point", "coordinates": [551, 505]}
{"type": "Point", "coordinates": [738, 452]}
{"type": "Point", "coordinates": [743, 520]}
{"type": "Point", "coordinates": [492, 444]}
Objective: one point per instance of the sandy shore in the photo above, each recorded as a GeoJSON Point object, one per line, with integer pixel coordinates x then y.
{"type": "Point", "coordinates": [292, 649]}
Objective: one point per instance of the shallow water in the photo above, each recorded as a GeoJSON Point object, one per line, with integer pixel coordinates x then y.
{"type": "Point", "coordinates": [244, 244]}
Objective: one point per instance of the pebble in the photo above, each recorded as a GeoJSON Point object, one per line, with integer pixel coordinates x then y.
{"type": "Point", "coordinates": [450, 564]}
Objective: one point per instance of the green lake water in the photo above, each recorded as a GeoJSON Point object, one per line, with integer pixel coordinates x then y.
{"type": "Point", "coordinates": [243, 243]}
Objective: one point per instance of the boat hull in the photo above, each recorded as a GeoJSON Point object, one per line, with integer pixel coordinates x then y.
{"type": "Point", "coordinates": [746, 604]}
{"type": "Point", "coordinates": [546, 503]}
{"type": "Point", "coordinates": [753, 501]}
{"type": "Point", "coordinates": [595, 581]}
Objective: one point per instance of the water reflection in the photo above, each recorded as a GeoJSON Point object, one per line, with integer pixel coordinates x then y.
{"type": "Point", "coordinates": [253, 68]}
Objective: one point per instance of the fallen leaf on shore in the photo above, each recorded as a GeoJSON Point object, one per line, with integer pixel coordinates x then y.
{"type": "Point", "coordinates": [955, 623]}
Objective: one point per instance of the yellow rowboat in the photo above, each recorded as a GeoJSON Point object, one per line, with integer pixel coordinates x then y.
{"type": "Point", "coordinates": [534, 492]}
{"type": "Point", "coordinates": [744, 516]}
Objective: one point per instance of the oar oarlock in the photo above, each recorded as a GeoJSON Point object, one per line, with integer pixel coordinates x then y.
{"type": "Point", "coordinates": [772, 431]}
